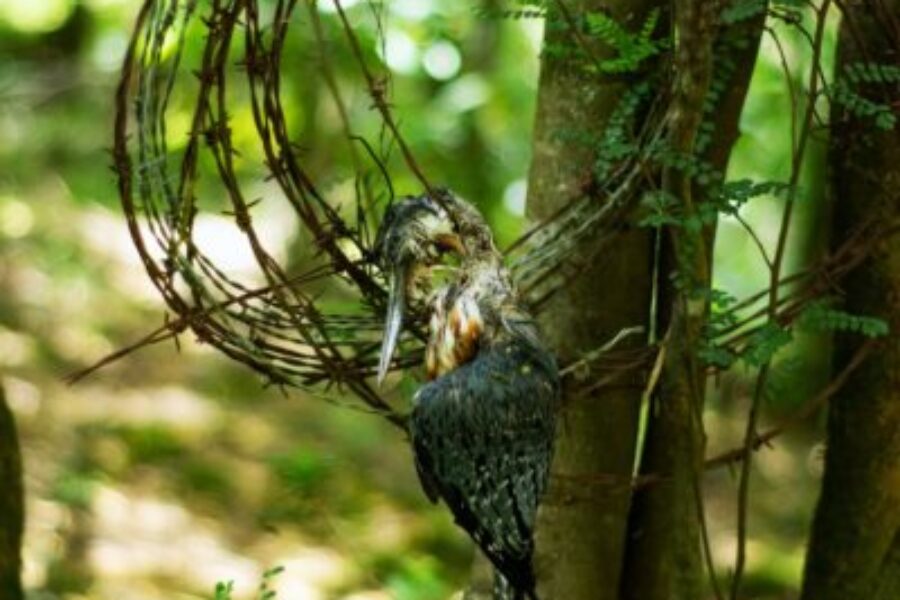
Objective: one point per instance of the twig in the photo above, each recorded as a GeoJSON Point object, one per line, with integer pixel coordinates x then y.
{"type": "Point", "coordinates": [797, 157]}
{"type": "Point", "coordinates": [160, 334]}
{"type": "Point", "coordinates": [575, 30]}
{"type": "Point", "coordinates": [753, 236]}
{"type": "Point", "coordinates": [788, 81]}
{"type": "Point", "coordinates": [740, 453]}
{"type": "Point", "coordinates": [704, 539]}
{"type": "Point", "coordinates": [801, 415]}
{"type": "Point", "coordinates": [593, 355]}
{"type": "Point", "coordinates": [744, 480]}
{"type": "Point", "coordinates": [377, 92]}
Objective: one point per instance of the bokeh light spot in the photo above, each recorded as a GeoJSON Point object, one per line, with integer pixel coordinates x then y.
{"type": "Point", "coordinates": [108, 50]}
{"type": "Point", "coordinates": [16, 218]}
{"type": "Point", "coordinates": [328, 6]}
{"type": "Point", "coordinates": [414, 10]}
{"type": "Point", "coordinates": [400, 52]}
{"type": "Point", "coordinates": [107, 4]}
{"type": "Point", "coordinates": [468, 92]}
{"type": "Point", "coordinates": [33, 16]}
{"type": "Point", "coordinates": [442, 60]}
{"type": "Point", "coordinates": [514, 197]}
{"type": "Point", "coordinates": [16, 348]}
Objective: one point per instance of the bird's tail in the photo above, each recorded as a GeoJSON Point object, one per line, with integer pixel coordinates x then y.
{"type": "Point", "coordinates": [504, 590]}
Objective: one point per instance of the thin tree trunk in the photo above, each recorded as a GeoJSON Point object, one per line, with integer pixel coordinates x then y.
{"type": "Point", "coordinates": [664, 559]}
{"type": "Point", "coordinates": [582, 521]}
{"type": "Point", "coordinates": [854, 551]}
{"type": "Point", "coordinates": [12, 513]}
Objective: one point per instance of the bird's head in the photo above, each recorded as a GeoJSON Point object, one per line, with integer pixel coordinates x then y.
{"type": "Point", "coordinates": [416, 233]}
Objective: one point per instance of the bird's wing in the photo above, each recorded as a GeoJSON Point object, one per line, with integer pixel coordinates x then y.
{"type": "Point", "coordinates": [482, 436]}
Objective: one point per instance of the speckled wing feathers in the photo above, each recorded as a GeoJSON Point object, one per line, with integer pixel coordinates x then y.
{"type": "Point", "coordinates": [482, 436]}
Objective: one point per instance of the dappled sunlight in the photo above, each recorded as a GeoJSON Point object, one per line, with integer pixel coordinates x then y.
{"type": "Point", "coordinates": [137, 481]}
{"type": "Point", "coordinates": [16, 349]}
{"type": "Point", "coordinates": [16, 218]}
{"type": "Point", "coordinates": [43, 535]}
{"type": "Point", "coordinates": [137, 537]}
{"type": "Point", "coordinates": [370, 596]}
{"type": "Point", "coordinates": [23, 396]}
{"type": "Point", "coordinates": [174, 407]}
{"type": "Point", "coordinates": [35, 17]}
{"type": "Point", "coordinates": [310, 570]}
{"type": "Point", "coordinates": [218, 236]}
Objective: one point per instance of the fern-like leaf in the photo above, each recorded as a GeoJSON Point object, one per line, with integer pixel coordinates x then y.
{"type": "Point", "coordinates": [846, 92]}
{"type": "Point", "coordinates": [224, 590]}
{"type": "Point", "coordinates": [819, 316]}
{"type": "Point", "coordinates": [742, 10]}
{"type": "Point", "coordinates": [632, 49]}
{"type": "Point", "coordinates": [764, 343]}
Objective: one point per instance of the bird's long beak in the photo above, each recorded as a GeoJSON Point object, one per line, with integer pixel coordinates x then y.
{"type": "Point", "coordinates": [394, 319]}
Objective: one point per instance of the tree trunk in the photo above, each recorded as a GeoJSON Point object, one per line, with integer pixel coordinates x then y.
{"type": "Point", "coordinates": [12, 514]}
{"type": "Point", "coordinates": [582, 521]}
{"type": "Point", "coordinates": [854, 551]}
{"type": "Point", "coordinates": [664, 559]}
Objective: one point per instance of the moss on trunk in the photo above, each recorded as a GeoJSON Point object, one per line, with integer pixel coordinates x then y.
{"type": "Point", "coordinates": [854, 551]}
{"type": "Point", "coordinates": [664, 560]}
{"type": "Point", "coordinates": [582, 521]}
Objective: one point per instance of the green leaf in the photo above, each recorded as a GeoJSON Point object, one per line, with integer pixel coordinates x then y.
{"type": "Point", "coordinates": [224, 590]}
{"type": "Point", "coordinates": [716, 356]}
{"type": "Point", "coordinates": [632, 49]}
{"type": "Point", "coordinates": [734, 194]}
{"type": "Point", "coordinates": [844, 94]}
{"type": "Point", "coordinates": [273, 572]}
{"type": "Point", "coordinates": [819, 316]}
{"type": "Point", "coordinates": [764, 343]}
{"type": "Point", "coordinates": [742, 10]}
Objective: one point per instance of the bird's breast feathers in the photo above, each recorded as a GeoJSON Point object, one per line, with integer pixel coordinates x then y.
{"type": "Point", "coordinates": [454, 332]}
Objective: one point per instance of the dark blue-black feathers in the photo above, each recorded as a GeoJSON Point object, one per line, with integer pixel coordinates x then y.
{"type": "Point", "coordinates": [482, 437]}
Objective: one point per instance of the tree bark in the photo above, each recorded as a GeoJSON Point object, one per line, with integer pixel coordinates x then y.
{"type": "Point", "coordinates": [664, 558]}
{"type": "Point", "coordinates": [854, 550]}
{"type": "Point", "coordinates": [12, 513]}
{"type": "Point", "coordinates": [582, 521]}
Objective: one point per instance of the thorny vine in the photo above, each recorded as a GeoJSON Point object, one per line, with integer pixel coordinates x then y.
{"type": "Point", "coordinates": [276, 325]}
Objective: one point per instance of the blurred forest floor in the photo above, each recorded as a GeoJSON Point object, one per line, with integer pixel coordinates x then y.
{"type": "Point", "coordinates": [169, 471]}
{"type": "Point", "coordinates": [175, 469]}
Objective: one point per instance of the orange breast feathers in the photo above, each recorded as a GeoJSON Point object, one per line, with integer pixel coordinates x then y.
{"type": "Point", "coordinates": [454, 334]}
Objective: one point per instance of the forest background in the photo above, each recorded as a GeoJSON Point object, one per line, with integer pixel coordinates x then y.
{"type": "Point", "coordinates": [166, 473]}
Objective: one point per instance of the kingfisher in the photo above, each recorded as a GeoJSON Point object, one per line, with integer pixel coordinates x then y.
{"type": "Point", "coordinates": [482, 425]}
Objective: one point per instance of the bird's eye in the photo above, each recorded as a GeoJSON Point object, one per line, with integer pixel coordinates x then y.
{"type": "Point", "coordinates": [449, 243]}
